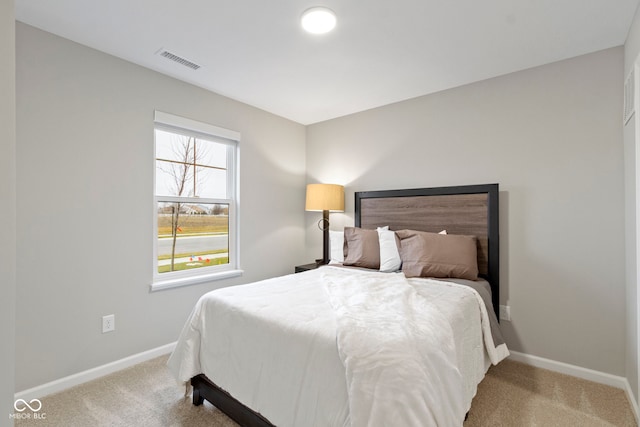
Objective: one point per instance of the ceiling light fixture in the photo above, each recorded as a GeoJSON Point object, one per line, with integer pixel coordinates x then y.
{"type": "Point", "coordinates": [318, 20]}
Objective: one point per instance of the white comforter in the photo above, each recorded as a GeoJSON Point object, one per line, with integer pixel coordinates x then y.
{"type": "Point", "coordinates": [272, 345]}
{"type": "Point", "coordinates": [398, 351]}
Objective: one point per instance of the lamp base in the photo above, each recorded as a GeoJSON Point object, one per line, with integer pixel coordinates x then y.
{"type": "Point", "coordinates": [325, 237]}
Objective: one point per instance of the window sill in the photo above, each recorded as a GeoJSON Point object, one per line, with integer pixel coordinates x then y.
{"type": "Point", "coordinates": [178, 282]}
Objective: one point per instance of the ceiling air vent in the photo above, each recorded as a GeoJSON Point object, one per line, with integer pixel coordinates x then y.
{"type": "Point", "coordinates": [180, 60]}
{"type": "Point", "coordinates": [629, 95]}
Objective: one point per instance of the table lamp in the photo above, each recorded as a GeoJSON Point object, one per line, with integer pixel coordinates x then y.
{"type": "Point", "coordinates": [326, 198]}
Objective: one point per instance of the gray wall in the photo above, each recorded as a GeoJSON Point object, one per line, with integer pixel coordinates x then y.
{"type": "Point", "coordinates": [85, 200]}
{"type": "Point", "coordinates": [8, 211]}
{"type": "Point", "coordinates": [552, 138]}
{"type": "Point", "coordinates": [631, 52]}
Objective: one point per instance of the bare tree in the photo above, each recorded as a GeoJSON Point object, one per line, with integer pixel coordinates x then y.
{"type": "Point", "coordinates": [183, 171]}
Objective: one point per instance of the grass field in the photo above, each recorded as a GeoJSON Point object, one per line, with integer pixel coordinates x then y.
{"type": "Point", "coordinates": [193, 254]}
{"type": "Point", "coordinates": [195, 263]}
{"type": "Point", "coordinates": [194, 224]}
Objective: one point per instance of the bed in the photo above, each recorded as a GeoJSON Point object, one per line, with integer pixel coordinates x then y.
{"type": "Point", "coordinates": [287, 351]}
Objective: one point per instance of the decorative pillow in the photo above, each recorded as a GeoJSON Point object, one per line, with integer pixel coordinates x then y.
{"type": "Point", "coordinates": [361, 248]}
{"type": "Point", "coordinates": [438, 255]}
{"type": "Point", "coordinates": [336, 247]}
{"type": "Point", "coordinates": [389, 256]}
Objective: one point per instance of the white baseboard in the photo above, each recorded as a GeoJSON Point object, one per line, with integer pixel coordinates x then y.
{"type": "Point", "coordinates": [579, 372]}
{"type": "Point", "coordinates": [632, 400]}
{"type": "Point", "coordinates": [91, 374]}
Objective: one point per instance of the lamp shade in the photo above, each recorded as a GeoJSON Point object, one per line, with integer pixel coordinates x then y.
{"type": "Point", "coordinates": [325, 197]}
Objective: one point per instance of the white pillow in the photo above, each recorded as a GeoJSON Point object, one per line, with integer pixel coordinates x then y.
{"type": "Point", "coordinates": [389, 256]}
{"type": "Point", "coordinates": [336, 243]}
{"type": "Point", "coordinates": [443, 232]}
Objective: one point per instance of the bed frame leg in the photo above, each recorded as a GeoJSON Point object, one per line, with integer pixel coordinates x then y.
{"type": "Point", "coordinates": [198, 399]}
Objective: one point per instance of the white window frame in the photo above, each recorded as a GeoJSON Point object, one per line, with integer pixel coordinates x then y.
{"type": "Point", "coordinates": [185, 126]}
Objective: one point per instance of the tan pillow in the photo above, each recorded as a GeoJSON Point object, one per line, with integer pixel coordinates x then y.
{"type": "Point", "coordinates": [438, 255]}
{"type": "Point", "coordinates": [361, 248]}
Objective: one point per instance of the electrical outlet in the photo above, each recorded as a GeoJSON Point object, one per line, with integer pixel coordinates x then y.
{"type": "Point", "coordinates": [108, 323]}
{"type": "Point", "coordinates": [505, 313]}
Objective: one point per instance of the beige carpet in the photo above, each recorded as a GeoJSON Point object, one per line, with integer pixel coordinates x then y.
{"type": "Point", "coordinates": [512, 394]}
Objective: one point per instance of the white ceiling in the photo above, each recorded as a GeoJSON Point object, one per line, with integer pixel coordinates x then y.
{"type": "Point", "coordinates": [381, 51]}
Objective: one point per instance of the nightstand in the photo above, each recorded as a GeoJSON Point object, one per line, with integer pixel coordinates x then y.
{"type": "Point", "coordinates": [306, 267]}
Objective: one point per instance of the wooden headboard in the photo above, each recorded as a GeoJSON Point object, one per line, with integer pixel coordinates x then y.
{"type": "Point", "coordinates": [469, 210]}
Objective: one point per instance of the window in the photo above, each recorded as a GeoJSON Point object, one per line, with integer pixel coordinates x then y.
{"type": "Point", "coordinates": [195, 207]}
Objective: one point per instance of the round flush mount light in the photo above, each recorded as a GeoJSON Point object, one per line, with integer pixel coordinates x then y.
{"type": "Point", "coordinates": [318, 20]}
